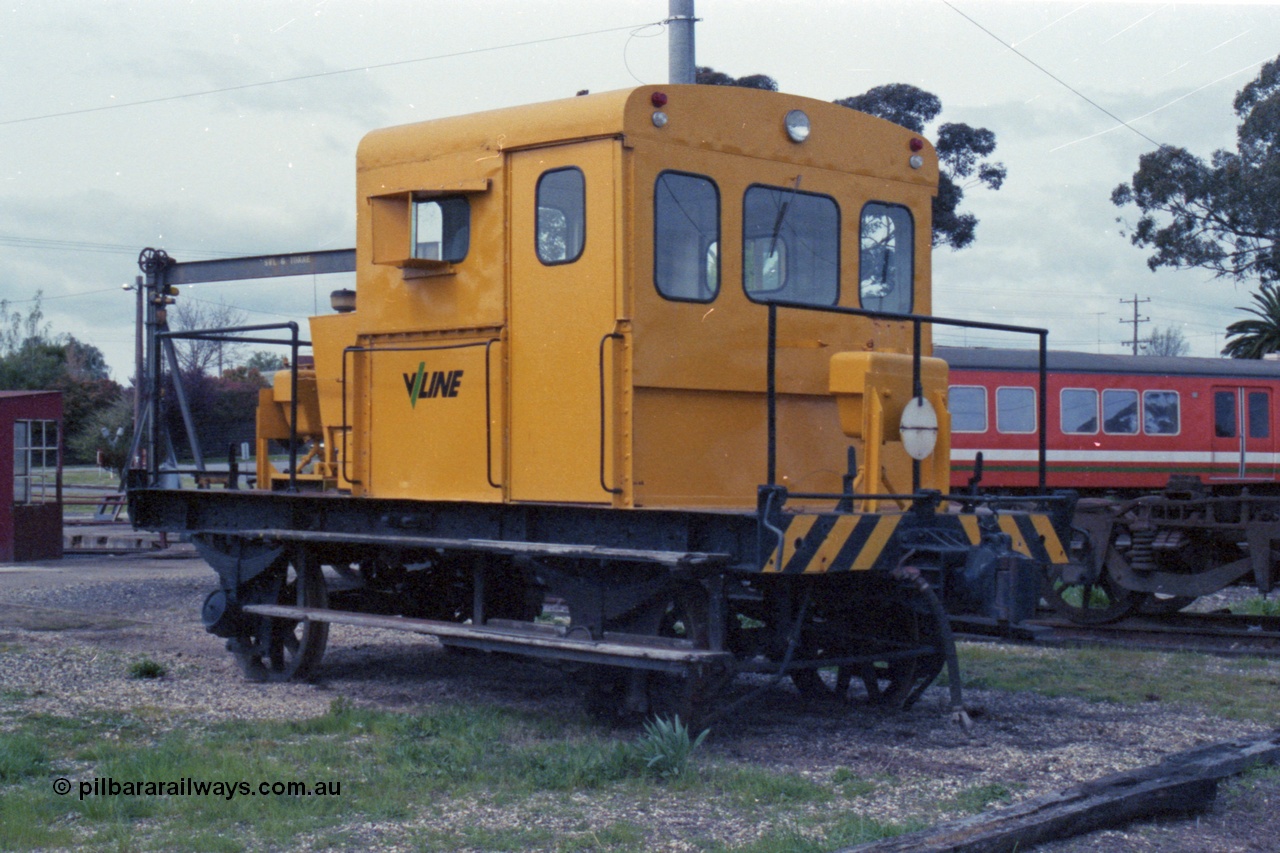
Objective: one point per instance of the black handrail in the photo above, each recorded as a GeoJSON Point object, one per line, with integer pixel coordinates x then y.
{"type": "Point", "coordinates": [917, 321]}
{"type": "Point", "coordinates": [231, 334]}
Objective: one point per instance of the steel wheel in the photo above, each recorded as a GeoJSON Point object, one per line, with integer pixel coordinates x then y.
{"type": "Point", "coordinates": [1098, 601]}
{"type": "Point", "coordinates": [285, 649]}
{"type": "Point", "coordinates": [889, 682]}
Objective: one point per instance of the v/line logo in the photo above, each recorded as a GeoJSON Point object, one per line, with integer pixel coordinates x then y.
{"type": "Point", "coordinates": [438, 383]}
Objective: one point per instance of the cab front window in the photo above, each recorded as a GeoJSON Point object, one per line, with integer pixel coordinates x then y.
{"type": "Point", "coordinates": [790, 246]}
{"type": "Point", "coordinates": [886, 259]}
{"type": "Point", "coordinates": [686, 230]}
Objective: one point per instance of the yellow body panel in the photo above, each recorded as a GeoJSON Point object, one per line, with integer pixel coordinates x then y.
{"type": "Point", "coordinates": [581, 382]}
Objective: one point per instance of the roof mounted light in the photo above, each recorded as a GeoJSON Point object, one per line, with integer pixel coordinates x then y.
{"type": "Point", "coordinates": [797, 125]}
{"type": "Point", "coordinates": [658, 99]}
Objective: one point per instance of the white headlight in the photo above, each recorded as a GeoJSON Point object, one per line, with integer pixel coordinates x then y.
{"type": "Point", "coordinates": [797, 124]}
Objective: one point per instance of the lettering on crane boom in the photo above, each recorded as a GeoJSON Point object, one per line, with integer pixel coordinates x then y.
{"type": "Point", "coordinates": [424, 385]}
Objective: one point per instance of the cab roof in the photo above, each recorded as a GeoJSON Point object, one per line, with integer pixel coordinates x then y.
{"type": "Point", "coordinates": [721, 118]}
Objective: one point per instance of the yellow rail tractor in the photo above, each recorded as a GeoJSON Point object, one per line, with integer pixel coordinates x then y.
{"type": "Point", "coordinates": [661, 356]}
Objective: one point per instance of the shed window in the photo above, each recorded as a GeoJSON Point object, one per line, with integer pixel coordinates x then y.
{"type": "Point", "coordinates": [790, 246]}
{"type": "Point", "coordinates": [35, 462]}
{"type": "Point", "coordinates": [1015, 410]}
{"type": "Point", "coordinates": [1079, 411]}
{"type": "Point", "coordinates": [1119, 412]}
{"type": "Point", "coordinates": [1160, 414]}
{"type": "Point", "coordinates": [686, 233]}
{"type": "Point", "coordinates": [886, 258]}
{"type": "Point", "coordinates": [562, 216]}
{"type": "Point", "coordinates": [968, 407]}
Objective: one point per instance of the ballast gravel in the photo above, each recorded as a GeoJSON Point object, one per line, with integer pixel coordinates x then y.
{"type": "Point", "coordinates": [69, 632]}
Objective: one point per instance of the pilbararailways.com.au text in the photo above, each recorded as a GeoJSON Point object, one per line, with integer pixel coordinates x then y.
{"type": "Point", "coordinates": [188, 787]}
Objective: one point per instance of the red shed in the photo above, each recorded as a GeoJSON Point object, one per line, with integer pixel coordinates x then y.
{"type": "Point", "coordinates": [31, 459]}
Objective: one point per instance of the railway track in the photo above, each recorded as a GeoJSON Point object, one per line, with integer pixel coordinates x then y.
{"type": "Point", "coordinates": [1208, 633]}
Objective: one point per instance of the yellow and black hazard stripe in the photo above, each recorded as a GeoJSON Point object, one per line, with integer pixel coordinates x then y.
{"type": "Point", "coordinates": [1032, 534]}
{"type": "Point", "coordinates": [833, 542]}
{"type": "Point", "coordinates": [815, 543]}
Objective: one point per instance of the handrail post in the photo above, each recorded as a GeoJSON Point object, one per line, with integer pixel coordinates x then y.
{"type": "Point", "coordinates": [772, 394]}
{"type": "Point", "coordinates": [293, 407]}
{"type": "Point", "coordinates": [1044, 409]}
{"type": "Point", "coordinates": [917, 390]}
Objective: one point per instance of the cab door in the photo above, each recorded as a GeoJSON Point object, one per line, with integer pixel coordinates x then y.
{"type": "Point", "coordinates": [1243, 446]}
{"type": "Point", "coordinates": [564, 272]}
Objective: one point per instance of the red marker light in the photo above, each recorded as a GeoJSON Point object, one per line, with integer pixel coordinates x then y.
{"type": "Point", "coordinates": [658, 99]}
{"type": "Point", "coordinates": [916, 143]}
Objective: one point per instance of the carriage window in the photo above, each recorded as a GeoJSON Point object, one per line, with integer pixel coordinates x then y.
{"type": "Point", "coordinates": [562, 216]}
{"type": "Point", "coordinates": [1015, 410]}
{"type": "Point", "coordinates": [686, 237]}
{"type": "Point", "coordinates": [1259, 416]}
{"type": "Point", "coordinates": [1224, 414]}
{"type": "Point", "coordinates": [886, 257]}
{"type": "Point", "coordinates": [790, 246]}
{"type": "Point", "coordinates": [442, 229]}
{"type": "Point", "coordinates": [1120, 412]}
{"type": "Point", "coordinates": [1160, 413]}
{"type": "Point", "coordinates": [1079, 411]}
{"type": "Point", "coordinates": [35, 462]}
{"type": "Point", "coordinates": [968, 407]}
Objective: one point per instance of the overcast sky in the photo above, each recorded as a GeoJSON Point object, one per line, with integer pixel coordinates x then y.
{"type": "Point", "coordinates": [212, 164]}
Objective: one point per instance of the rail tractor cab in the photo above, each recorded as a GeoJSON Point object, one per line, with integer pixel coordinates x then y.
{"type": "Point", "coordinates": [569, 302]}
{"type": "Point", "coordinates": [662, 355]}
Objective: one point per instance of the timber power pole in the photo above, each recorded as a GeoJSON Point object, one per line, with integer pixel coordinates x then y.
{"type": "Point", "coordinates": [681, 67]}
{"type": "Point", "coordinates": [1135, 301]}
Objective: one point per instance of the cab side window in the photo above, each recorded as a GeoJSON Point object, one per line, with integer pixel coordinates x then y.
{"type": "Point", "coordinates": [686, 235]}
{"type": "Point", "coordinates": [562, 216]}
{"type": "Point", "coordinates": [442, 229]}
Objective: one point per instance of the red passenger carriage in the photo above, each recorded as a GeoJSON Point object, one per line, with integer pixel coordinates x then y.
{"type": "Point", "coordinates": [1176, 458]}
{"type": "Point", "coordinates": [1115, 423]}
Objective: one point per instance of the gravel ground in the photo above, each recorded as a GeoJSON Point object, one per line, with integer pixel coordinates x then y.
{"type": "Point", "coordinates": [66, 615]}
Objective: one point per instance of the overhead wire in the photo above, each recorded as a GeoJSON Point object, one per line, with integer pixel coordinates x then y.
{"type": "Point", "coordinates": [1053, 76]}
{"type": "Point", "coordinates": [322, 74]}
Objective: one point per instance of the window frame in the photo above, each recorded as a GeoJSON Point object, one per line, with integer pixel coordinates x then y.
{"type": "Point", "coordinates": [1137, 410]}
{"type": "Point", "coordinates": [538, 207]}
{"type": "Point", "coordinates": [1176, 396]}
{"type": "Point", "coordinates": [765, 297]}
{"type": "Point", "coordinates": [1062, 408]}
{"type": "Point", "coordinates": [986, 411]}
{"type": "Point", "coordinates": [713, 287]}
{"type": "Point", "coordinates": [911, 256]}
{"type": "Point", "coordinates": [1035, 414]}
{"type": "Point", "coordinates": [43, 475]}
{"type": "Point", "coordinates": [440, 201]}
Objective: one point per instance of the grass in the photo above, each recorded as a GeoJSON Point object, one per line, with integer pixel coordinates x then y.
{"type": "Point", "coordinates": [147, 668]}
{"type": "Point", "coordinates": [389, 770]}
{"type": "Point", "coordinates": [1258, 606]}
{"type": "Point", "coordinates": [1130, 677]}
{"type": "Point", "coordinates": [492, 778]}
